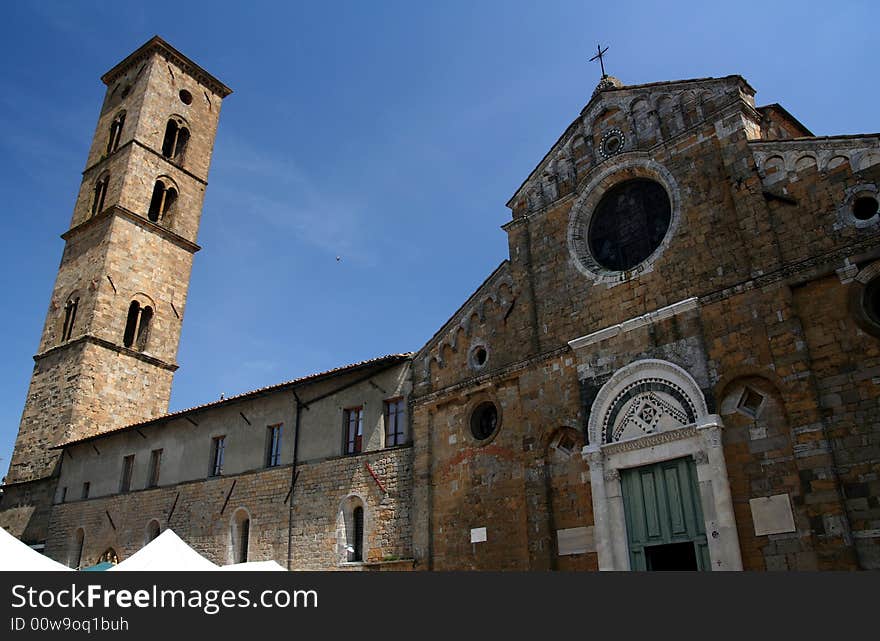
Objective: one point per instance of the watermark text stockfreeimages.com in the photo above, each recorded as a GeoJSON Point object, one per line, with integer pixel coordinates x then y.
{"type": "Point", "coordinates": [208, 601]}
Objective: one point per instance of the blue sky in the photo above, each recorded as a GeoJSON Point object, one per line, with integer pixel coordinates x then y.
{"type": "Point", "coordinates": [388, 133]}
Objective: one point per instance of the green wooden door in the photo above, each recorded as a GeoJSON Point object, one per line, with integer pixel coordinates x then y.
{"type": "Point", "coordinates": [662, 505]}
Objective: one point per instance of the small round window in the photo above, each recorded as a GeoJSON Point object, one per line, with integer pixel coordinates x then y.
{"type": "Point", "coordinates": [865, 207]}
{"type": "Point", "coordinates": [484, 420]}
{"type": "Point", "coordinates": [185, 97]}
{"type": "Point", "coordinates": [871, 301]}
{"type": "Point", "coordinates": [629, 223]}
{"type": "Point", "coordinates": [611, 143]}
{"type": "Point", "coordinates": [479, 357]}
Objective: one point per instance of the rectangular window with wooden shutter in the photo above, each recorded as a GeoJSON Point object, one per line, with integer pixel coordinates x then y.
{"type": "Point", "coordinates": [354, 430]}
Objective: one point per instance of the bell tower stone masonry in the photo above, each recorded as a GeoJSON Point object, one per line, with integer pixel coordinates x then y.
{"type": "Point", "coordinates": [108, 351]}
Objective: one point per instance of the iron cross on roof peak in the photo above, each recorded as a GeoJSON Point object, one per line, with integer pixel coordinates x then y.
{"type": "Point", "coordinates": [598, 56]}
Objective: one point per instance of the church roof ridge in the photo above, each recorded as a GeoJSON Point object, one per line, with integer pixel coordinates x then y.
{"type": "Point", "coordinates": [461, 307]}
{"type": "Point", "coordinates": [158, 44]}
{"type": "Point", "coordinates": [682, 81]}
{"type": "Point", "coordinates": [597, 94]}
{"type": "Point", "coordinates": [308, 378]}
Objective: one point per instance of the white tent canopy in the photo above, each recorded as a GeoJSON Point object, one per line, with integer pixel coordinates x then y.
{"type": "Point", "coordinates": [167, 552]}
{"type": "Point", "coordinates": [254, 566]}
{"type": "Point", "coordinates": [16, 556]}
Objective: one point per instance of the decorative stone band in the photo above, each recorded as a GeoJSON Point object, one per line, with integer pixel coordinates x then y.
{"type": "Point", "coordinates": [104, 160]}
{"type": "Point", "coordinates": [118, 210]}
{"type": "Point", "coordinates": [88, 338]}
{"type": "Point", "coordinates": [709, 428]}
{"type": "Point", "coordinates": [650, 440]}
{"type": "Point", "coordinates": [634, 323]}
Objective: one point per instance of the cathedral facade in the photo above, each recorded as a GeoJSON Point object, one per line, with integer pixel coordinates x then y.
{"type": "Point", "coordinates": [677, 367]}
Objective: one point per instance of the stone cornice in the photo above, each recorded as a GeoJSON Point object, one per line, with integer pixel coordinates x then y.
{"type": "Point", "coordinates": [634, 323]}
{"type": "Point", "coordinates": [94, 340]}
{"type": "Point", "coordinates": [122, 212]}
{"type": "Point", "coordinates": [801, 271]}
{"type": "Point", "coordinates": [133, 141]}
{"type": "Point", "coordinates": [812, 142]}
{"type": "Point", "coordinates": [157, 45]}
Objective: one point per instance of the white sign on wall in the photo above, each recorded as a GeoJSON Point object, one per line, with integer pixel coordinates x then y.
{"type": "Point", "coordinates": [772, 515]}
{"type": "Point", "coordinates": [478, 535]}
{"type": "Point", "coordinates": [576, 540]}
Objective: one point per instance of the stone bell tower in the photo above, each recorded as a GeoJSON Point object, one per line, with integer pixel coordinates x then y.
{"type": "Point", "coordinates": [109, 346]}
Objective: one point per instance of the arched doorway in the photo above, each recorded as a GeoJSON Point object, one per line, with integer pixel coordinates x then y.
{"type": "Point", "coordinates": [656, 462]}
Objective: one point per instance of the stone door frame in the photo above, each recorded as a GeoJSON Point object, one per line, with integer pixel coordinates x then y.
{"type": "Point", "coordinates": [702, 441]}
{"type": "Point", "coordinates": [700, 438]}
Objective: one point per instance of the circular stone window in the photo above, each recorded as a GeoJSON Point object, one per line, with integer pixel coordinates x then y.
{"type": "Point", "coordinates": [871, 301]}
{"type": "Point", "coordinates": [611, 143]}
{"type": "Point", "coordinates": [484, 420]}
{"type": "Point", "coordinates": [479, 357]}
{"type": "Point", "coordinates": [865, 207]}
{"type": "Point", "coordinates": [185, 97]}
{"type": "Point", "coordinates": [629, 223]}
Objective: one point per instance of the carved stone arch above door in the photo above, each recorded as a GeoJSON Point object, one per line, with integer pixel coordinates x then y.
{"type": "Point", "coordinates": [645, 397]}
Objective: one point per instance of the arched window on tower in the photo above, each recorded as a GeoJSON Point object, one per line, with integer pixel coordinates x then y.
{"type": "Point", "coordinates": [162, 202]}
{"type": "Point", "coordinates": [137, 326]}
{"type": "Point", "coordinates": [134, 311]}
{"type": "Point", "coordinates": [175, 141]}
{"type": "Point", "coordinates": [143, 334]}
{"type": "Point", "coordinates": [115, 132]}
{"type": "Point", "coordinates": [69, 317]}
{"type": "Point", "coordinates": [99, 194]}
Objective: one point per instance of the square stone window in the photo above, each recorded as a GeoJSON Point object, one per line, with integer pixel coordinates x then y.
{"type": "Point", "coordinates": [750, 402]}
{"type": "Point", "coordinates": [565, 444]}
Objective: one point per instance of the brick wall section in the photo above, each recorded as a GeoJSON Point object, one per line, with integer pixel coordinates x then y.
{"type": "Point", "coordinates": [846, 366]}
{"type": "Point", "coordinates": [26, 509]}
{"type": "Point", "coordinates": [511, 484]}
{"type": "Point", "coordinates": [320, 491]}
{"type": "Point", "coordinates": [197, 519]}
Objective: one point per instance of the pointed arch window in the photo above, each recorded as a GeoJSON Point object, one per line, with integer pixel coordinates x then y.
{"type": "Point", "coordinates": [176, 139]}
{"type": "Point", "coordinates": [162, 201]}
{"type": "Point", "coordinates": [137, 326]}
{"type": "Point", "coordinates": [115, 133]}
{"type": "Point", "coordinates": [69, 317]}
{"type": "Point", "coordinates": [99, 194]}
